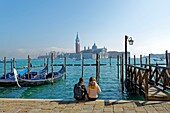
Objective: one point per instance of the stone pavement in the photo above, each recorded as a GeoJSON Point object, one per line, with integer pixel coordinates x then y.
{"type": "Point", "coordinates": [98, 106]}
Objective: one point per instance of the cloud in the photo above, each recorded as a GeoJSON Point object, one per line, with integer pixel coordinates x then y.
{"type": "Point", "coordinates": [22, 53]}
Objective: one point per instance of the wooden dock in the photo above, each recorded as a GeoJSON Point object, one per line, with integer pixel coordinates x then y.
{"type": "Point", "coordinates": [152, 81]}
{"type": "Point", "coordinates": [156, 93]}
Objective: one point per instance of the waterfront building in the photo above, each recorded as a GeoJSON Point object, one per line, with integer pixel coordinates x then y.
{"type": "Point", "coordinates": [91, 53]}
{"type": "Point", "coordinates": [114, 54]}
{"type": "Point", "coordinates": [87, 53]}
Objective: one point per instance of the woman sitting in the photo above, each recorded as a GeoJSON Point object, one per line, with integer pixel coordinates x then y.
{"type": "Point", "coordinates": [93, 89]}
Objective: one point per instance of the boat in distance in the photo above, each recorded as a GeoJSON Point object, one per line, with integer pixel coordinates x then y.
{"type": "Point", "coordinates": [34, 78]}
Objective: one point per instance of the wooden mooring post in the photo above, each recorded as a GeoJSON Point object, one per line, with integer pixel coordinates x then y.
{"type": "Point", "coordinates": [149, 59]}
{"type": "Point", "coordinates": [97, 67]}
{"type": "Point", "coordinates": [166, 53]}
{"type": "Point", "coordinates": [64, 67]}
{"type": "Point", "coordinates": [122, 72]}
{"type": "Point", "coordinates": [129, 60]}
{"type": "Point", "coordinates": [44, 62]}
{"type": "Point", "coordinates": [140, 60]}
{"type": "Point", "coordinates": [82, 65]}
{"type": "Point", "coordinates": [110, 60]}
{"type": "Point", "coordinates": [47, 64]}
{"type": "Point", "coordinates": [28, 65]}
{"type": "Point", "coordinates": [13, 62]}
{"type": "Point", "coordinates": [5, 67]}
{"type": "Point", "coordinates": [11, 65]}
{"type": "Point", "coordinates": [52, 68]}
{"type": "Point", "coordinates": [118, 66]}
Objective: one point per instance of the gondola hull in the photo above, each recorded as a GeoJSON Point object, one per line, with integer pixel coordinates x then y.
{"type": "Point", "coordinates": [37, 81]}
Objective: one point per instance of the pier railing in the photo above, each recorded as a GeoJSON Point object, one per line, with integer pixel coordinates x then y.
{"type": "Point", "coordinates": [149, 80]}
{"type": "Point", "coordinates": [159, 76]}
{"type": "Point", "coordinates": [138, 78]}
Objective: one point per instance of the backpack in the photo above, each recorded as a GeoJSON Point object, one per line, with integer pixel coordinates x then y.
{"type": "Point", "coordinates": [78, 91]}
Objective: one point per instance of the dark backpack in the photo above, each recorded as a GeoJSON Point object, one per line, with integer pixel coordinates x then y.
{"type": "Point", "coordinates": [78, 91]}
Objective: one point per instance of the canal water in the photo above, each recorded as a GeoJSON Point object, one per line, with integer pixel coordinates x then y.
{"type": "Point", "coordinates": [63, 89]}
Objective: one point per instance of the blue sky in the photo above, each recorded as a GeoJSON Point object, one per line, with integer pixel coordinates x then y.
{"type": "Point", "coordinates": [37, 26]}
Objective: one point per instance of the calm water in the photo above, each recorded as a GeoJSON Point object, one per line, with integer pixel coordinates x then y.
{"type": "Point", "coordinates": [63, 89]}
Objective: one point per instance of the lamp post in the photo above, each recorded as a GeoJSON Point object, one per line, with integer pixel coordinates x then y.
{"type": "Point", "coordinates": [129, 39]}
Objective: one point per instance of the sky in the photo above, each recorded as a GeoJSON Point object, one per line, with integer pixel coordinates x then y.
{"type": "Point", "coordinates": [35, 27]}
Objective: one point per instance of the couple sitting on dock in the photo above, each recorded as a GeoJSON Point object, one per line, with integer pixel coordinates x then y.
{"type": "Point", "coordinates": [91, 93]}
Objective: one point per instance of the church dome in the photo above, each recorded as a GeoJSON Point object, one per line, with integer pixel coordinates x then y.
{"type": "Point", "coordinates": [94, 46]}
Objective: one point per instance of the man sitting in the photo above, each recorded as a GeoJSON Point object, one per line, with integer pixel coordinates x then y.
{"type": "Point", "coordinates": [80, 90]}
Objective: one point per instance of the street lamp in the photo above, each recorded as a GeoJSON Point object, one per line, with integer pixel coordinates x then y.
{"type": "Point", "coordinates": [129, 39]}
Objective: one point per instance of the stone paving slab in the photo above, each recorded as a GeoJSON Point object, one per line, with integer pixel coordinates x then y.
{"type": "Point", "coordinates": [99, 106]}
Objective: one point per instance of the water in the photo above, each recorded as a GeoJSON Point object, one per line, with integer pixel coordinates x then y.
{"type": "Point", "coordinates": [63, 89]}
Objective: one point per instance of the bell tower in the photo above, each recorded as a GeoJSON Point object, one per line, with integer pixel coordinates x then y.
{"type": "Point", "coordinates": [77, 44]}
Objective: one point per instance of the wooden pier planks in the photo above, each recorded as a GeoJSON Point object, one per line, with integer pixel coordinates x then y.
{"type": "Point", "coordinates": [156, 93]}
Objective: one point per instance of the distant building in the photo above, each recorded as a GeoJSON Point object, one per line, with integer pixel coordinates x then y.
{"type": "Point", "coordinates": [91, 53]}
{"type": "Point", "coordinates": [114, 54]}
{"type": "Point", "coordinates": [87, 53]}
{"type": "Point", "coordinates": [77, 44]}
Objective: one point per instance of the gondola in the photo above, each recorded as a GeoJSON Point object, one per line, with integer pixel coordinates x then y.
{"type": "Point", "coordinates": [42, 79]}
{"type": "Point", "coordinates": [9, 78]}
{"type": "Point", "coordinates": [35, 78]}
